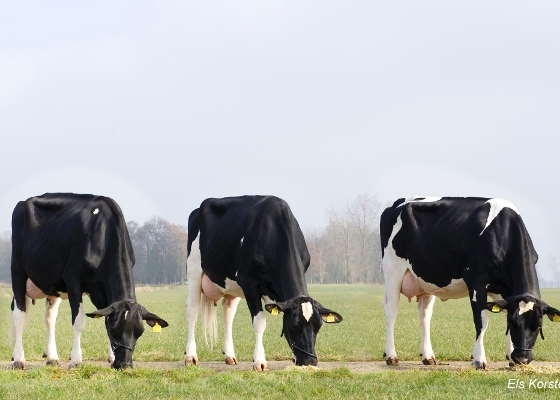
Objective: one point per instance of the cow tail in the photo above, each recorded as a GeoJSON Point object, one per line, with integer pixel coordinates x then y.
{"type": "Point", "coordinates": [209, 320]}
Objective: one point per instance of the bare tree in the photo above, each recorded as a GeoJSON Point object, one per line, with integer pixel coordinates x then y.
{"type": "Point", "coordinates": [351, 246]}
{"type": "Point", "coordinates": [555, 267]}
{"type": "Point", "coordinates": [160, 249]}
{"type": "Point", "coordinates": [363, 214]}
{"type": "Point", "coordinates": [5, 258]}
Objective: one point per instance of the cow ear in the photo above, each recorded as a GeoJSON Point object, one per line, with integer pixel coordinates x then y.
{"type": "Point", "coordinates": [275, 308]}
{"type": "Point", "coordinates": [497, 306]}
{"type": "Point", "coordinates": [330, 317]}
{"type": "Point", "coordinates": [552, 313]}
{"type": "Point", "coordinates": [152, 319]}
{"type": "Point", "coordinates": [101, 313]}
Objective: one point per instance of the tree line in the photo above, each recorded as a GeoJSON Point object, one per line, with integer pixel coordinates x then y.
{"type": "Point", "coordinates": [347, 250]}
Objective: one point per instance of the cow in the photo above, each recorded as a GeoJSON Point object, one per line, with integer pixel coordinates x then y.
{"type": "Point", "coordinates": [251, 247]}
{"type": "Point", "coordinates": [65, 245]}
{"type": "Point", "coordinates": [456, 247]}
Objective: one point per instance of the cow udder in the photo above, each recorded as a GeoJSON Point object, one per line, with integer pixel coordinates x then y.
{"type": "Point", "coordinates": [32, 291]}
{"type": "Point", "coordinates": [410, 286]}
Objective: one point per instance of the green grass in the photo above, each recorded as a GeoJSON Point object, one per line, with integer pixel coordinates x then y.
{"type": "Point", "coordinates": [360, 337]}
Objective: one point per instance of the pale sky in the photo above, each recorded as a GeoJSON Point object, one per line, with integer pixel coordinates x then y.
{"type": "Point", "coordinates": [163, 104]}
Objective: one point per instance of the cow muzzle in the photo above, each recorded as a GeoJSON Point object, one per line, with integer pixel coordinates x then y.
{"type": "Point", "coordinates": [521, 355]}
{"type": "Point", "coordinates": [123, 357]}
{"type": "Point", "coordinates": [302, 361]}
{"type": "Point", "coordinates": [122, 364]}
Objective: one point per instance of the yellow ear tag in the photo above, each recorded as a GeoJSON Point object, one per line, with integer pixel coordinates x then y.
{"type": "Point", "coordinates": [97, 316]}
{"type": "Point", "coordinates": [556, 318]}
{"type": "Point", "coordinates": [156, 328]}
{"type": "Point", "coordinates": [274, 311]}
{"type": "Point", "coordinates": [330, 318]}
{"type": "Point", "coordinates": [496, 308]}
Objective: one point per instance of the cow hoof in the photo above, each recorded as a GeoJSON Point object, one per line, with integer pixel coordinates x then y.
{"type": "Point", "coordinates": [507, 357]}
{"type": "Point", "coordinates": [52, 362]}
{"type": "Point", "coordinates": [191, 360]}
{"type": "Point", "coordinates": [231, 360]}
{"type": "Point", "coordinates": [480, 365]}
{"type": "Point", "coordinates": [511, 364]}
{"type": "Point", "coordinates": [392, 361]}
{"type": "Point", "coordinates": [430, 361]}
{"type": "Point", "coordinates": [18, 365]}
{"type": "Point", "coordinates": [260, 367]}
{"type": "Point", "coordinates": [73, 365]}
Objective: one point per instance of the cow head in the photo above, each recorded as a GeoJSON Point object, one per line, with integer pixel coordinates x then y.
{"type": "Point", "coordinates": [303, 318]}
{"type": "Point", "coordinates": [524, 322]}
{"type": "Point", "coordinates": [123, 320]}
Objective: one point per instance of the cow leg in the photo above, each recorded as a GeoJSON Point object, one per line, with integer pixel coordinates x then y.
{"type": "Point", "coordinates": [259, 325]}
{"type": "Point", "coordinates": [193, 307]}
{"type": "Point", "coordinates": [509, 343]}
{"type": "Point", "coordinates": [254, 302]}
{"type": "Point", "coordinates": [425, 310]}
{"type": "Point", "coordinates": [20, 313]}
{"type": "Point", "coordinates": [229, 307]}
{"type": "Point", "coordinates": [78, 325]}
{"type": "Point", "coordinates": [509, 348]}
{"type": "Point", "coordinates": [110, 354]}
{"type": "Point", "coordinates": [393, 281]}
{"type": "Point", "coordinates": [480, 316]}
{"type": "Point", "coordinates": [51, 312]}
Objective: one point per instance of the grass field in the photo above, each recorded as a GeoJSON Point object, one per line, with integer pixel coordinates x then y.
{"type": "Point", "coordinates": [360, 337]}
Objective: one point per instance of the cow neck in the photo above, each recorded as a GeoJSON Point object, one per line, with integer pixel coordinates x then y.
{"type": "Point", "coordinates": [523, 279]}
{"type": "Point", "coordinates": [120, 285]}
{"type": "Point", "coordinates": [292, 279]}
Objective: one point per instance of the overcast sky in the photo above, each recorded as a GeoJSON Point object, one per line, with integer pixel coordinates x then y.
{"type": "Point", "coordinates": [163, 104]}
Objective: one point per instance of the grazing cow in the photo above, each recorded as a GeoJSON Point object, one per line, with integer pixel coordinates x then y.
{"type": "Point", "coordinates": [457, 247]}
{"type": "Point", "coordinates": [251, 247]}
{"type": "Point", "coordinates": [64, 245]}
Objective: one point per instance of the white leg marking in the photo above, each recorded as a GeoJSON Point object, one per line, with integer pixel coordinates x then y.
{"type": "Point", "coordinates": [479, 355]}
{"type": "Point", "coordinates": [51, 313]}
{"type": "Point", "coordinates": [425, 311]}
{"type": "Point", "coordinates": [307, 309]}
{"type": "Point", "coordinates": [19, 319]}
{"type": "Point", "coordinates": [394, 268]}
{"type": "Point", "coordinates": [229, 307]}
{"type": "Point", "coordinates": [110, 354]}
{"type": "Point", "coordinates": [194, 276]}
{"type": "Point", "coordinates": [259, 325]}
{"type": "Point", "coordinates": [78, 327]}
{"type": "Point", "coordinates": [509, 345]}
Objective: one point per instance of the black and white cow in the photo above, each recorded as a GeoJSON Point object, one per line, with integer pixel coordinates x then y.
{"type": "Point", "coordinates": [64, 245]}
{"type": "Point", "coordinates": [251, 247]}
{"type": "Point", "coordinates": [457, 247]}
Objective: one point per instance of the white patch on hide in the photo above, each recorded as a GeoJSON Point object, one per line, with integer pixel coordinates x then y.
{"type": "Point", "coordinates": [241, 242]}
{"type": "Point", "coordinates": [497, 205]}
{"type": "Point", "coordinates": [125, 315]}
{"type": "Point", "coordinates": [474, 296]}
{"type": "Point", "coordinates": [307, 309]}
{"type": "Point", "coordinates": [96, 211]}
{"type": "Point", "coordinates": [524, 307]}
{"type": "Point", "coordinates": [424, 200]}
